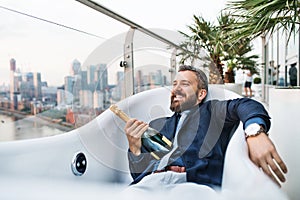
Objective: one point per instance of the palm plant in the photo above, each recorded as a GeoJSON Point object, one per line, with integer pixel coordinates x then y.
{"type": "Point", "coordinates": [239, 57]}
{"type": "Point", "coordinates": [205, 35]}
{"type": "Point", "coordinates": [215, 39]}
{"type": "Point", "coordinates": [261, 17]}
{"type": "Point", "coordinates": [194, 51]}
{"type": "Point", "coordinates": [238, 53]}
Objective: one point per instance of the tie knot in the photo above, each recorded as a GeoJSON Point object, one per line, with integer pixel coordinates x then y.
{"type": "Point", "coordinates": [177, 118]}
{"type": "Point", "coordinates": [178, 115]}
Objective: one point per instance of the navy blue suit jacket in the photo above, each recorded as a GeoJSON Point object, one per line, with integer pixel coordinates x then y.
{"type": "Point", "coordinates": [203, 139]}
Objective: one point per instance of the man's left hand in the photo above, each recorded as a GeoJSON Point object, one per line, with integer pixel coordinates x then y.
{"type": "Point", "coordinates": [263, 153]}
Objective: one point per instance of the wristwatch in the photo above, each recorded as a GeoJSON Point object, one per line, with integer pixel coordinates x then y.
{"type": "Point", "coordinates": [254, 130]}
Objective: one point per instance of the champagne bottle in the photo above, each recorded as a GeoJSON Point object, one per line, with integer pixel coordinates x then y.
{"type": "Point", "coordinates": [153, 141]}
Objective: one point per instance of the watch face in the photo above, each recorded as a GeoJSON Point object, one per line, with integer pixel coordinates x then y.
{"type": "Point", "coordinates": [252, 129]}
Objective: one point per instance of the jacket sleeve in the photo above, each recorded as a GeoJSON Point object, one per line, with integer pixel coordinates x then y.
{"type": "Point", "coordinates": [245, 110]}
{"type": "Point", "coordinates": [145, 163]}
{"type": "Point", "coordinates": [141, 165]}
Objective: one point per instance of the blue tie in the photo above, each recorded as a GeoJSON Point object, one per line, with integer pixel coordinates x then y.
{"type": "Point", "coordinates": [164, 161]}
{"type": "Point", "coordinates": [178, 115]}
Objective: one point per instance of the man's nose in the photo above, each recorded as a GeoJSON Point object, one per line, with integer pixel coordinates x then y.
{"type": "Point", "coordinates": [176, 87]}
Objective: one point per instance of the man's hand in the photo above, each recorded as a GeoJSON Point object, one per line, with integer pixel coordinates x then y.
{"type": "Point", "coordinates": [264, 154]}
{"type": "Point", "coordinates": [134, 130]}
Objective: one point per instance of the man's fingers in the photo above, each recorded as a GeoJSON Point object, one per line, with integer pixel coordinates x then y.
{"type": "Point", "coordinates": [130, 126]}
{"type": "Point", "coordinates": [130, 123]}
{"type": "Point", "coordinates": [136, 129]}
{"type": "Point", "coordinates": [265, 168]}
{"type": "Point", "coordinates": [142, 128]}
{"type": "Point", "coordinates": [276, 170]}
{"type": "Point", "coordinates": [279, 161]}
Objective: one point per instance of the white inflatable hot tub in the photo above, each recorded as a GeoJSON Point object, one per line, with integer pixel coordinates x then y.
{"type": "Point", "coordinates": [43, 168]}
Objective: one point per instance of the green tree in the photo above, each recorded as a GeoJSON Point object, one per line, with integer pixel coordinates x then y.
{"type": "Point", "coordinates": [205, 35]}
{"type": "Point", "coordinates": [237, 54]}
{"type": "Point", "coordinates": [239, 57]}
{"type": "Point", "coordinates": [260, 17]}
{"type": "Point", "coordinates": [215, 39]}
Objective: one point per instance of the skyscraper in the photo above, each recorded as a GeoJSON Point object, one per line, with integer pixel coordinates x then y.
{"type": "Point", "coordinates": [101, 77]}
{"type": "Point", "coordinates": [75, 68]}
{"type": "Point", "coordinates": [12, 65]}
{"type": "Point", "coordinates": [37, 85]}
{"type": "Point", "coordinates": [91, 69]}
{"type": "Point", "coordinates": [13, 84]}
{"type": "Point", "coordinates": [27, 85]}
{"type": "Point", "coordinates": [84, 83]}
{"type": "Point", "coordinates": [12, 77]}
{"type": "Point", "coordinates": [69, 83]}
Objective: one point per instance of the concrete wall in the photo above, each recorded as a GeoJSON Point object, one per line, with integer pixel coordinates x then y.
{"type": "Point", "coordinates": [284, 108]}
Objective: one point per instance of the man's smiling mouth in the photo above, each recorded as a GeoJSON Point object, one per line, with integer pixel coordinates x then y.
{"type": "Point", "coordinates": [178, 97]}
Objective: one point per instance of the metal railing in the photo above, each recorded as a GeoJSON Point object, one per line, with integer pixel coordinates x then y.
{"type": "Point", "coordinates": [86, 92]}
{"type": "Point", "coordinates": [128, 43]}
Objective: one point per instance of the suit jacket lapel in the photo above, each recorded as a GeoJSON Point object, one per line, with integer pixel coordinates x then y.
{"type": "Point", "coordinates": [171, 127]}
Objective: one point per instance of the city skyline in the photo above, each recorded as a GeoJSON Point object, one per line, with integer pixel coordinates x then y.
{"type": "Point", "coordinates": [84, 95]}
{"type": "Point", "coordinates": [40, 46]}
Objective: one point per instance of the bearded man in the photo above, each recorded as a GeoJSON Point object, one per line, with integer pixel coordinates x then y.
{"type": "Point", "coordinates": [201, 136]}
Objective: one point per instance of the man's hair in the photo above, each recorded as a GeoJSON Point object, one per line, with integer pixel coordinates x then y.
{"type": "Point", "coordinates": [202, 78]}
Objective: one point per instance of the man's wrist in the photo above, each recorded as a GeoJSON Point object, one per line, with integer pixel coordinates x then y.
{"type": "Point", "coordinates": [135, 151]}
{"type": "Point", "coordinates": [254, 129]}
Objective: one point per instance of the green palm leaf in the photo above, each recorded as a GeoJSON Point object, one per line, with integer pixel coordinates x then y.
{"type": "Point", "coordinates": [261, 17]}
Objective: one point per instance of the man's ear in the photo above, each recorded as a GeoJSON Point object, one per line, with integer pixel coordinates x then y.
{"type": "Point", "coordinates": [202, 94]}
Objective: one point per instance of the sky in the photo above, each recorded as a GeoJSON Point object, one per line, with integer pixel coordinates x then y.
{"type": "Point", "coordinates": [40, 46]}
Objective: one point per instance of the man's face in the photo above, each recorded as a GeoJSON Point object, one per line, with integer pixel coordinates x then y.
{"type": "Point", "coordinates": [185, 92]}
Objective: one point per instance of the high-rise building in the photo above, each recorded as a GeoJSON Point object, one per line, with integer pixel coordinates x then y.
{"type": "Point", "coordinates": [86, 98]}
{"type": "Point", "coordinates": [98, 100]}
{"type": "Point", "coordinates": [101, 77]}
{"type": "Point", "coordinates": [14, 84]}
{"type": "Point", "coordinates": [91, 69]}
{"type": "Point", "coordinates": [77, 86]}
{"type": "Point", "coordinates": [97, 77]}
{"type": "Point", "coordinates": [138, 81]}
{"type": "Point", "coordinates": [75, 68]}
{"type": "Point", "coordinates": [12, 65]}
{"type": "Point", "coordinates": [12, 78]}
{"type": "Point", "coordinates": [118, 91]}
{"type": "Point", "coordinates": [37, 82]}
{"type": "Point", "coordinates": [84, 83]}
{"type": "Point", "coordinates": [64, 98]}
{"type": "Point", "coordinates": [69, 83]}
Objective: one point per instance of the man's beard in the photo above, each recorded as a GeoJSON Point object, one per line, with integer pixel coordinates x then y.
{"type": "Point", "coordinates": [178, 107]}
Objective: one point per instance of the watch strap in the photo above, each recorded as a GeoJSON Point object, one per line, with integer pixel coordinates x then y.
{"type": "Point", "coordinates": [261, 130]}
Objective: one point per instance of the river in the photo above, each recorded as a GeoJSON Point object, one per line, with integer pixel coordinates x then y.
{"type": "Point", "coordinates": [12, 128]}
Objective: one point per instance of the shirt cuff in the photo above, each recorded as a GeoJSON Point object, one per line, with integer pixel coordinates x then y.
{"type": "Point", "coordinates": [256, 120]}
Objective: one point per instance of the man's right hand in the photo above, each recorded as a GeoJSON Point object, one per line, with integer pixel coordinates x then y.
{"type": "Point", "coordinates": [134, 130]}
